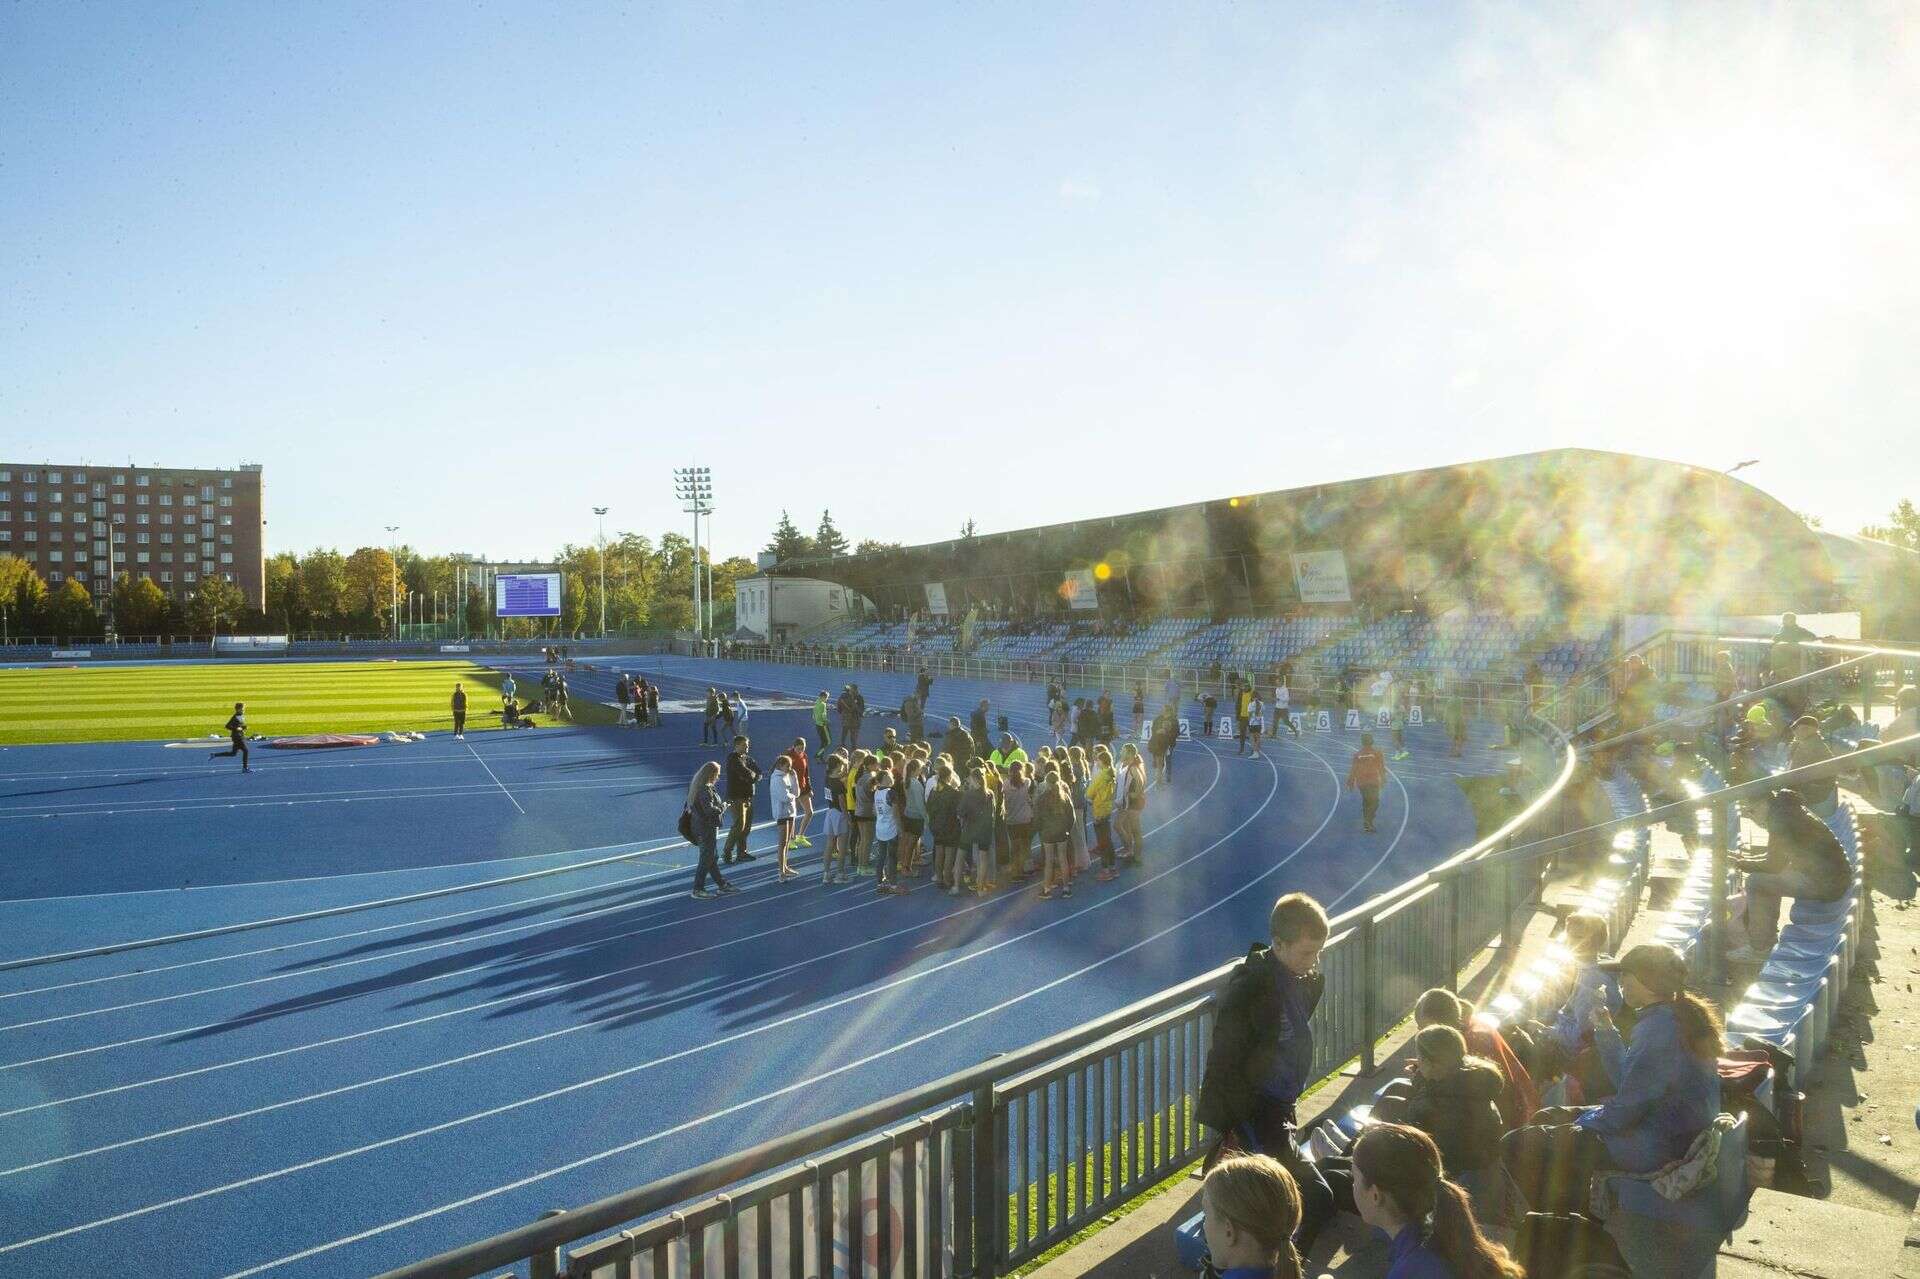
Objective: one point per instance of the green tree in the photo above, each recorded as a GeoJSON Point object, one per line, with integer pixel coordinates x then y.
{"type": "Point", "coordinates": [868, 545]}
{"type": "Point", "coordinates": [323, 588]}
{"type": "Point", "coordinates": [139, 607]}
{"type": "Point", "coordinates": [828, 540]}
{"type": "Point", "coordinates": [1901, 529]}
{"type": "Point", "coordinates": [286, 604]}
{"type": "Point", "coordinates": [215, 606]}
{"type": "Point", "coordinates": [966, 530]}
{"type": "Point", "coordinates": [373, 580]}
{"type": "Point", "coordinates": [789, 543]}
{"type": "Point", "coordinates": [24, 594]}
{"type": "Point", "coordinates": [70, 611]}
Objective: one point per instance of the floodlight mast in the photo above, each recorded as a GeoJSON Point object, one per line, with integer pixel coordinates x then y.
{"type": "Point", "coordinates": [693, 486]}
{"type": "Point", "coordinates": [601, 511]}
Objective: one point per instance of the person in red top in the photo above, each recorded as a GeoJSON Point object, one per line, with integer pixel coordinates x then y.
{"type": "Point", "coordinates": [1441, 1007]}
{"type": "Point", "coordinates": [797, 754]}
{"type": "Point", "coordinates": [1367, 774]}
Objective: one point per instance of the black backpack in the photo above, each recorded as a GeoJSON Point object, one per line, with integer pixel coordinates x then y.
{"type": "Point", "coordinates": [1567, 1245]}
{"type": "Point", "coordinates": [686, 826]}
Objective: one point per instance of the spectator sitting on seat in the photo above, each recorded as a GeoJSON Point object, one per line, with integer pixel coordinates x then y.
{"type": "Point", "coordinates": [1803, 859]}
{"type": "Point", "coordinates": [1252, 1209]}
{"type": "Point", "coordinates": [1455, 1100]}
{"type": "Point", "coordinates": [1517, 1096]}
{"type": "Point", "coordinates": [1400, 1188]}
{"type": "Point", "coordinates": [1593, 987]}
{"type": "Point", "coordinates": [1667, 1089]}
{"type": "Point", "coordinates": [1809, 747]}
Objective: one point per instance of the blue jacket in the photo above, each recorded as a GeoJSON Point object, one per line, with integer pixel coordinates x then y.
{"type": "Point", "coordinates": [1664, 1098]}
{"type": "Point", "coordinates": [1410, 1258]}
{"type": "Point", "coordinates": [1590, 986]}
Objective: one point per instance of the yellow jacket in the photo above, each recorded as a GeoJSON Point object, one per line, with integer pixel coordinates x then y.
{"type": "Point", "coordinates": [1100, 794]}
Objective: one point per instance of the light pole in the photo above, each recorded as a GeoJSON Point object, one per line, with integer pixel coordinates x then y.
{"type": "Point", "coordinates": [393, 583]}
{"type": "Point", "coordinates": [693, 485]}
{"type": "Point", "coordinates": [601, 511]}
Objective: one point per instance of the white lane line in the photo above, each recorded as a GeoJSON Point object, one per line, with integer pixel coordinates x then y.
{"type": "Point", "coordinates": [708, 1045]}
{"type": "Point", "coordinates": [294, 975]}
{"type": "Point", "coordinates": [233, 1023]}
{"type": "Point", "coordinates": [812, 1080]}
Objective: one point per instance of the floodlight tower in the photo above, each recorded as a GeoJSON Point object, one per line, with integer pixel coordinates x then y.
{"type": "Point", "coordinates": [393, 588]}
{"type": "Point", "coordinates": [601, 511]}
{"type": "Point", "coordinates": [693, 485]}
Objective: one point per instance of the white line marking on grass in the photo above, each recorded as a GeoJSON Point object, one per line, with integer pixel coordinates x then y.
{"type": "Point", "coordinates": [737, 1036]}
{"type": "Point", "coordinates": [810, 1081]}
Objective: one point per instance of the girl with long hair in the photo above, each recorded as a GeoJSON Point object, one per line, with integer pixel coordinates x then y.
{"type": "Point", "coordinates": [1400, 1187]}
{"type": "Point", "coordinates": [1252, 1209]}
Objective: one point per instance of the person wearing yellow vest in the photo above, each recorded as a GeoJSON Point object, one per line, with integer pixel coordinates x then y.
{"type": "Point", "coordinates": [1242, 705]}
{"type": "Point", "coordinates": [1009, 753]}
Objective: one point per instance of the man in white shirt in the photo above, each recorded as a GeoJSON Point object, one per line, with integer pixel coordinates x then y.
{"type": "Point", "coordinates": [1283, 708]}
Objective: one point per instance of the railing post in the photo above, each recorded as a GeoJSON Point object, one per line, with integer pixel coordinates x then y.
{"type": "Point", "coordinates": [1724, 816]}
{"type": "Point", "coordinates": [1453, 931]}
{"type": "Point", "coordinates": [989, 1208]}
{"type": "Point", "coordinates": [1368, 984]}
{"type": "Point", "coordinates": [1508, 872]}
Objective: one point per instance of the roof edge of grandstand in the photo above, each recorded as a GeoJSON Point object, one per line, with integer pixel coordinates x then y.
{"type": "Point", "coordinates": [796, 566]}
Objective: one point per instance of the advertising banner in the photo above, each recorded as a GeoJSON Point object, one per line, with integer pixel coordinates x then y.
{"type": "Point", "coordinates": [937, 598]}
{"type": "Point", "coordinates": [1079, 589]}
{"type": "Point", "coordinates": [1321, 577]}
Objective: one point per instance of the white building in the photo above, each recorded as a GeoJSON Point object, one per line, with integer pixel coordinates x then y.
{"type": "Point", "coordinates": [781, 608]}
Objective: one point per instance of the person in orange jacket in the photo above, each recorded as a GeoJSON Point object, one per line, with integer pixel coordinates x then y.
{"type": "Point", "coordinates": [1367, 774]}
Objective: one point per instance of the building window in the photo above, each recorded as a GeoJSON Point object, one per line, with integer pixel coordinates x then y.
{"type": "Point", "coordinates": [32, 536]}
{"type": "Point", "coordinates": [119, 499]}
{"type": "Point", "coordinates": [6, 477]}
{"type": "Point", "coordinates": [119, 519]}
{"type": "Point", "coordinates": [99, 489]}
{"type": "Point", "coordinates": [226, 557]}
{"type": "Point", "coordinates": [30, 477]}
{"type": "Point", "coordinates": [6, 535]}
{"type": "Point", "coordinates": [53, 477]}
{"type": "Point", "coordinates": [226, 539]}
{"type": "Point", "coordinates": [141, 518]}
{"type": "Point", "coordinates": [188, 539]}
{"type": "Point", "coordinates": [145, 538]}
{"type": "Point", "coordinates": [100, 549]}
{"type": "Point", "coordinates": [141, 481]}
{"type": "Point", "coordinates": [56, 577]}
{"type": "Point", "coordinates": [140, 500]}
{"type": "Point", "coordinates": [166, 539]}
{"type": "Point", "coordinates": [119, 538]}
{"type": "Point", "coordinates": [166, 499]}
{"type": "Point", "coordinates": [56, 557]}
{"type": "Point", "coordinates": [119, 479]}
{"type": "Point", "coordinates": [54, 518]}
{"type": "Point", "coordinates": [206, 491]}
{"type": "Point", "coordinates": [141, 557]}
{"type": "Point", "coordinates": [6, 517]}
{"type": "Point", "coordinates": [5, 496]}
{"type": "Point", "coordinates": [226, 521]}
{"type": "Point", "coordinates": [32, 495]}
{"type": "Point", "coordinates": [166, 576]}
{"type": "Point", "coordinates": [99, 508]}
{"type": "Point", "coordinates": [226, 482]}
{"type": "Point", "coordinates": [226, 501]}
{"type": "Point", "coordinates": [166, 557]}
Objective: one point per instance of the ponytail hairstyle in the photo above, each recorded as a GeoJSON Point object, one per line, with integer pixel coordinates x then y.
{"type": "Point", "coordinates": [1403, 1163]}
{"type": "Point", "coordinates": [1258, 1195]}
{"type": "Point", "coordinates": [1700, 1028]}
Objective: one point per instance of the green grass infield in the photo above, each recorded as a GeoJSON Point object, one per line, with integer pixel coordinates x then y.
{"type": "Point", "coordinates": [146, 703]}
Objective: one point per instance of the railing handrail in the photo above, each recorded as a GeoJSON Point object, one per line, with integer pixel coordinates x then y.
{"type": "Point", "coordinates": [1694, 712]}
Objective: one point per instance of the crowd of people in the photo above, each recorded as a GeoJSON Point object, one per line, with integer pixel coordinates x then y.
{"type": "Point", "coordinates": [1493, 1123]}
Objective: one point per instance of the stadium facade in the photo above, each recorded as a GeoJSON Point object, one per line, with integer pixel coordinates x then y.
{"type": "Point", "coordinates": [174, 525]}
{"type": "Point", "coordinates": [1568, 531]}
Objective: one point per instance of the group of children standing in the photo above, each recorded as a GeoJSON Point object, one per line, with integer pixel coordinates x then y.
{"type": "Point", "coordinates": [639, 698]}
{"type": "Point", "coordinates": [904, 812]}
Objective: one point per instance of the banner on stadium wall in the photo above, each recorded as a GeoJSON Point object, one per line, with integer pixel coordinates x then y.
{"type": "Point", "coordinates": [1321, 577]}
{"type": "Point", "coordinates": [1079, 589]}
{"type": "Point", "coordinates": [250, 644]}
{"type": "Point", "coordinates": [456, 648]}
{"type": "Point", "coordinates": [937, 598]}
{"type": "Point", "coordinates": [71, 652]}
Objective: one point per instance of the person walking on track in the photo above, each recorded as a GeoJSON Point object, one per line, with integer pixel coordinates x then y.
{"type": "Point", "coordinates": [852, 708]}
{"type": "Point", "coordinates": [712, 720]}
{"type": "Point", "coordinates": [820, 722]}
{"type": "Point", "coordinates": [459, 712]}
{"type": "Point", "coordinates": [237, 734]}
{"type": "Point", "coordinates": [702, 827]}
{"type": "Point", "coordinates": [742, 776]}
{"type": "Point", "coordinates": [1367, 774]}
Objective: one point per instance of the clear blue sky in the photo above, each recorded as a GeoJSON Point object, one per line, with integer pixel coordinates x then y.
{"type": "Point", "coordinates": [474, 269]}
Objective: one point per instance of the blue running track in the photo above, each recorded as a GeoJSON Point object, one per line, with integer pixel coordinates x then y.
{"type": "Point", "coordinates": [471, 985]}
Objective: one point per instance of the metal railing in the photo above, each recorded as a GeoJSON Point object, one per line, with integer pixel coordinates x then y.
{"type": "Point", "coordinates": [988, 1167]}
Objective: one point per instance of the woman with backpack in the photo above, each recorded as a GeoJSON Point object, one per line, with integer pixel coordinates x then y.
{"type": "Point", "coordinates": [700, 823]}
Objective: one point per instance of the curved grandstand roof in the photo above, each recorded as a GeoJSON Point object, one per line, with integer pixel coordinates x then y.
{"type": "Point", "coordinates": [1578, 530]}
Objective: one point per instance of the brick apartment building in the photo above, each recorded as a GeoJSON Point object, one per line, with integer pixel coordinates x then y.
{"type": "Point", "coordinates": [175, 525]}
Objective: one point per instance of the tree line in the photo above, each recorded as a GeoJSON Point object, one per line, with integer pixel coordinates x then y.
{"type": "Point", "coordinates": [649, 585]}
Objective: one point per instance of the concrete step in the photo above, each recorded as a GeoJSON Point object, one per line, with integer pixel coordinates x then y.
{"type": "Point", "coordinates": [1791, 1235]}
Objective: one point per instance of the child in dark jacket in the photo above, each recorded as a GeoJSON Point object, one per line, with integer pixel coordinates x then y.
{"type": "Point", "coordinates": [1454, 1100]}
{"type": "Point", "coordinates": [1803, 859]}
